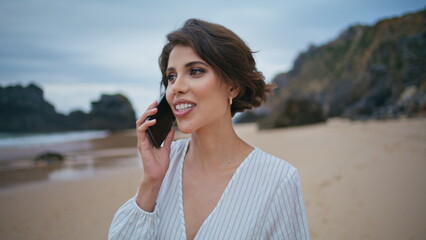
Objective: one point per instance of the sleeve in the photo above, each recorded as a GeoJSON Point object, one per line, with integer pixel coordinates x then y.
{"type": "Point", "coordinates": [286, 218]}
{"type": "Point", "coordinates": [132, 222]}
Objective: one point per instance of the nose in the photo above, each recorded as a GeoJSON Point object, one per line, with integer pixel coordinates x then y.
{"type": "Point", "coordinates": [179, 86]}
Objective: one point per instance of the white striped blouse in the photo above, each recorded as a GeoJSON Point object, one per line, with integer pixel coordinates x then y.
{"type": "Point", "coordinates": [263, 200]}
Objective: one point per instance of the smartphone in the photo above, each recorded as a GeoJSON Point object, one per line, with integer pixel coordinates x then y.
{"type": "Point", "coordinates": [165, 120]}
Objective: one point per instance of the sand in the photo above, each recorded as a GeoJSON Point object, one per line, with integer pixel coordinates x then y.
{"type": "Point", "coordinates": [361, 180]}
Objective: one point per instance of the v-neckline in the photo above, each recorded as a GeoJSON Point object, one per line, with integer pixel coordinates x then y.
{"type": "Point", "coordinates": [224, 193]}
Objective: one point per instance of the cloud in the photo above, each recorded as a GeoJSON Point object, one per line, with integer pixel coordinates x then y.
{"type": "Point", "coordinates": [82, 48]}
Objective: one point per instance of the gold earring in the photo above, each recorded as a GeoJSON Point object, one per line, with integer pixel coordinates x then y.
{"type": "Point", "coordinates": [230, 100]}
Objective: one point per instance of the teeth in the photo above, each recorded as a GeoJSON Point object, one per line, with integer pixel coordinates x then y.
{"type": "Point", "coordinates": [183, 106]}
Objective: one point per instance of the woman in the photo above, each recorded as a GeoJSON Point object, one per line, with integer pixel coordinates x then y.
{"type": "Point", "coordinates": [212, 185]}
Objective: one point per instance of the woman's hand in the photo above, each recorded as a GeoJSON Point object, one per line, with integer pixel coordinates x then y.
{"type": "Point", "coordinates": [155, 160]}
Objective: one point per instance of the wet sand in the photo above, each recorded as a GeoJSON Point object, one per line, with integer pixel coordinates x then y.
{"type": "Point", "coordinates": [17, 164]}
{"type": "Point", "coordinates": [361, 180]}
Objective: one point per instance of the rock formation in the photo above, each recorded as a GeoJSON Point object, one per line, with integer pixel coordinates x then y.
{"type": "Point", "coordinates": [112, 112]}
{"type": "Point", "coordinates": [367, 72]}
{"type": "Point", "coordinates": [24, 109]}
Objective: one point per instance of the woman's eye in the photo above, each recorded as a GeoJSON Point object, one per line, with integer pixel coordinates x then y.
{"type": "Point", "coordinates": [196, 71]}
{"type": "Point", "coordinates": [171, 77]}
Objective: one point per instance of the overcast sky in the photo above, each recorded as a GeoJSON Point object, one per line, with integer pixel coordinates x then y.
{"type": "Point", "coordinates": [76, 50]}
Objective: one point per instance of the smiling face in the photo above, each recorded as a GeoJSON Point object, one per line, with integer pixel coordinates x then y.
{"type": "Point", "coordinates": [195, 92]}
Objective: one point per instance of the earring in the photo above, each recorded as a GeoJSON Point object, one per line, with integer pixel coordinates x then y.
{"type": "Point", "coordinates": [230, 100]}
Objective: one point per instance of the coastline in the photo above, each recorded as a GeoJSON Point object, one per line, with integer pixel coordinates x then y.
{"type": "Point", "coordinates": [361, 180]}
{"type": "Point", "coordinates": [84, 157]}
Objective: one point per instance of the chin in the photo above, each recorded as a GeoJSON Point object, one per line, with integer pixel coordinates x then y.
{"type": "Point", "coordinates": [185, 128]}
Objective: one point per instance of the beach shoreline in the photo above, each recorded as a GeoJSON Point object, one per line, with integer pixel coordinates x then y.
{"type": "Point", "coordinates": [361, 180]}
{"type": "Point", "coordinates": [18, 164]}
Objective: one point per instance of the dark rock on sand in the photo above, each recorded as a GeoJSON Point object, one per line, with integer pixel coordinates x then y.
{"type": "Point", "coordinates": [293, 112]}
{"type": "Point", "coordinates": [49, 158]}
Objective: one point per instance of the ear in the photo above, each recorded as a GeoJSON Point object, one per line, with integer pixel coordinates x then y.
{"type": "Point", "coordinates": [234, 91]}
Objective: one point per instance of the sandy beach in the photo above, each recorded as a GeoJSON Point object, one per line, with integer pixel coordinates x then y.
{"type": "Point", "coordinates": [361, 180]}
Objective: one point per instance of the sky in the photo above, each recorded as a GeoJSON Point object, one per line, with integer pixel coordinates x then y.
{"type": "Point", "coordinates": [77, 50]}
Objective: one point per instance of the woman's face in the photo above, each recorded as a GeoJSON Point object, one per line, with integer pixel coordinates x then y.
{"type": "Point", "coordinates": [196, 94]}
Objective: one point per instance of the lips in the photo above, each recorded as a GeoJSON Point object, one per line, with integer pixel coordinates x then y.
{"type": "Point", "coordinates": [182, 107]}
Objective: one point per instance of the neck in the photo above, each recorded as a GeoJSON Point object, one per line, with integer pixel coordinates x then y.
{"type": "Point", "coordinates": [217, 147]}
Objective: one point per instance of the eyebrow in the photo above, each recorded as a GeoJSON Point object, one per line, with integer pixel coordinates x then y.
{"type": "Point", "coordinates": [190, 64]}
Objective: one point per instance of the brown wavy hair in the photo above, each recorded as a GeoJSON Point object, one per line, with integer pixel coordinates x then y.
{"type": "Point", "coordinates": [228, 55]}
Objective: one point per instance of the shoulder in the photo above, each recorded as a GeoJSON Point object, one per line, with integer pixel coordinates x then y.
{"type": "Point", "coordinates": [283, 179]}
{"type": "Point", "coordinates": [286, 214]}
{"type": "Point", "coordinates": [272, 166]}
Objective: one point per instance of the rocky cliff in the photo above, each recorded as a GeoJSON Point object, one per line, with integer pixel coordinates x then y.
{"type": "Point", "coordinates": [112, 112]}
{"type": "Point", "coordinates": [24, 109]}
{"type": "Point", "coordinates": [368, 71]}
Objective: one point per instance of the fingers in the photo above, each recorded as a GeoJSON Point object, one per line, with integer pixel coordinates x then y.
{"type": "Point", "coordinates": [145, 125]}
{"type": "Point", "coordinates": [151, 110]}
{"type": "Point", "coordinates": [153, 104]}
{"type": "Point", "coordinates": [142, 124]}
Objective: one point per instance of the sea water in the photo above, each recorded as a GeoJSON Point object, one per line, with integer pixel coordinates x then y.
{"type": "Point", "coordinates": [24, 140]}
{"type": "Point", "coordinates": [28, 172]}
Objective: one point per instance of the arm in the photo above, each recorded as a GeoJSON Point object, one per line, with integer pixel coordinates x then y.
{"type": "Point", "coordinates": [132, 222]}
{"type": "Point", "coordinates": [138, 218]}
{"type": "Point", "coordinates": [286, 218]}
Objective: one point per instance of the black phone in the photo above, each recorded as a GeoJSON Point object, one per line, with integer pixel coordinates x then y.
{"type": "Point", "coordinates": [165, 120]}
